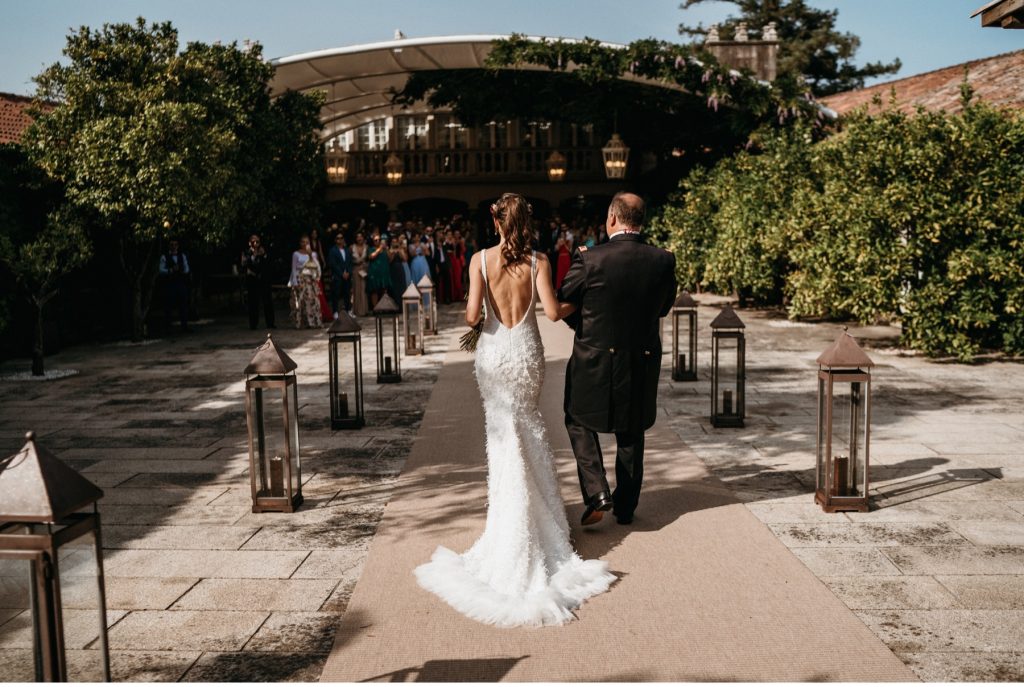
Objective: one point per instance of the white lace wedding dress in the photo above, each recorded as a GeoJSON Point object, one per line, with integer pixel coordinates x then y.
{"type": "Point", "coordinates": [522, 570]}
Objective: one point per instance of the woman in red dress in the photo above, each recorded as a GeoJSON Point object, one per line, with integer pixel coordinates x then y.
{"type": "Point", "coordinates": [564, 259]}
{"type": "Point", "coordinates": [458, 266]}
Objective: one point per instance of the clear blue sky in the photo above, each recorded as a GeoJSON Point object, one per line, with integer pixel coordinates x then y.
{"type": "Point", "coordinates": [924, 34]}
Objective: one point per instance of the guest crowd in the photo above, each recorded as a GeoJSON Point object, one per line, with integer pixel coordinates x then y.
{"type": "Point", "coordinates": [353, 266]}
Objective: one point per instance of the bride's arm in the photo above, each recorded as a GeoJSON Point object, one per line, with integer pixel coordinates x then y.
{"type": "Point", "coordinates": [476, 291]}
{"type": "Point", "coordinates": [554, 310]}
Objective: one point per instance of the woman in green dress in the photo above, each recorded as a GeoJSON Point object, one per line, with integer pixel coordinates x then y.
{"type": "Point", "coordinates": [378, 276]}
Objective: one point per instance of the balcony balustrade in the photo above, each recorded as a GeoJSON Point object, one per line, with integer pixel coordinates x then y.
{"type": "Point", "coordinates": [465, 164]}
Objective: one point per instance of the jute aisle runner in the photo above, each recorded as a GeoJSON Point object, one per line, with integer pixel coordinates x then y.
{"type": "Point", "coordinates": [706, 592]}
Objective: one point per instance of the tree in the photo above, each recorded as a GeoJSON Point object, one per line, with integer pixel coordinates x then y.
{"type": "Point", "coordinates": [38, 245]}
{"type": "Point", "coordinates": [152, 142]}
{"type": "Point", "coordinates": [810, 46]}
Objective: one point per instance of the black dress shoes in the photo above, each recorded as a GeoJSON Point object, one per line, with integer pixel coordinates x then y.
{"type": "Point", "coordinates": [624, 519]}
{"type": "Point", "coordinates": [595, 509]}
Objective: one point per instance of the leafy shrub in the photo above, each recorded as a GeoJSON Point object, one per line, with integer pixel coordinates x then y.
{"type": "Point", "coordinates": [912, 217]}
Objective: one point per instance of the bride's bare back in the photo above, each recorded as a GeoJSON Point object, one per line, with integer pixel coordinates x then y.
{"type": "Point", "coordinates": [511, 290]}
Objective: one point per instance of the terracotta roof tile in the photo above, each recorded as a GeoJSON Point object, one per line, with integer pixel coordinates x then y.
{"type": "Point", "coordinates": [13, 118]}
{"type": "Point", "coordinates": [996, 80]}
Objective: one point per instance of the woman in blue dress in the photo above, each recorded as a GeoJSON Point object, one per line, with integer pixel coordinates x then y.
{"type": "Point", "coordinates": [418, 252]}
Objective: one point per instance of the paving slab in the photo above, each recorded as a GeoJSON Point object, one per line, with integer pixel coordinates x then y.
{"type": "Point", "coordinates": [308, 633]}
{"type": "Point", "coordinates": [272, 595]}
{"type": "Point", "coordinates": [186, 630]}
{"type": "Point", "coordinates": [202, 564]}
{"type": "Point", "coordinates": [954, 560]}
{"type": "Point", "coordinates": [845, 534]}
{"type": "Point", "coordinates": [181, 537]}
{"type": "Point", "coordinates": [256, 667]}
{"type": "Point", "coordinates": [986, 591]}
{"type": "Point", "coordinates": [857, 561]}
{"type": "Point", "coordinates": [949, 629]}
{"type": "Point", "coordinates": [967, 666]}
{"type": "Point", "coordinates": [891, 592]}
{"type": "Point", "coordinates": [81, 628]}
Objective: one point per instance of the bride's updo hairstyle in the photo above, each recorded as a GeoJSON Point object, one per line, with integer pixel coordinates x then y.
{"type": "Point", "coordinates": [513, 215]}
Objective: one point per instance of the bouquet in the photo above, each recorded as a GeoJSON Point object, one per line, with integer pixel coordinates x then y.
{"type": "Point", "coordinates": [468, 341]}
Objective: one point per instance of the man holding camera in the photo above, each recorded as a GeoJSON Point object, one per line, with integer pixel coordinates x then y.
{"type": "Point", "coordinates": [256, 268]}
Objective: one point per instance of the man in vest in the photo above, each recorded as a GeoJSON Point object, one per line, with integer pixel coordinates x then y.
{"type": "Point", "coordinates": [174, 271]}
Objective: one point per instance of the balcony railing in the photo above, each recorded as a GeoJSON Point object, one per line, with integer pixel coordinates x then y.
{"type": "Point", "coordinates": [367, 166]}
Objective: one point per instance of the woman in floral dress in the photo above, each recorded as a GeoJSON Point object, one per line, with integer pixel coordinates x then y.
{"type": "Point", "coordinates": [305, 286]}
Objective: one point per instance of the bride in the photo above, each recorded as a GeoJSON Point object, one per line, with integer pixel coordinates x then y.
{"type": "Point", "coordinates": [522, 570]}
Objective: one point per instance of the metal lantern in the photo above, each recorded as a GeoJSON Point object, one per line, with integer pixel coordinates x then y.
{"type": "Point", "coordinates": [272, 415]}
{"type": "Point", "coordinates": [389, 369]}
{"type": "Point", "coordinates": [844, 435]}
{"type": "Point", "coordinates": [51, 563]}
{"type": "Point", "coordinates": [412, 320]}
{"type": "Point", "coordinates": [728, 369]}
{"type": "Point", "coordinates": [616, 155]}
{"type": "Point", "coordinates": [346, 411]}
{"type": "Point", "coordinates": [337, 161]}
{"type": "Point", "coordinates": [684, 365]}
{"type": "Point", "coordinates": [556, 166]}
{"type": "Point", "coordinates": [426, 288]}
{"type": "Point", "coordinates": [394, 170]}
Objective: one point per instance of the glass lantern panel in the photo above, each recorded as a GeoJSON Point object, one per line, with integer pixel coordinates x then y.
{"type": "Point", "coordinates": [81, 609]}
{"type": "Point", "coordinates": [820, 452]}
{"type": "Point", "coordinates": [293, 436]}
{"type": "Point", "coordinates": [848, 423]}
{"type": "Point", "coordinates": [16, 636]}
{"type": "Point", "coordinates": [273, 449]}
{"type": "Point", "coordinates": [728, 380]}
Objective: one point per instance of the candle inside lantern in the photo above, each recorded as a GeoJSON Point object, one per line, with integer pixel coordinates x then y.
{"type": "Point", "coordinates": [681, 364]}
{"type": "Point", "coordinates": [343, 404]}
{"type": "Point", "coordinates": [277, 476]}
{"type": "Point", "coordinates": [839, 483]}
{"type": "Point", "coordinates": [412, 341]}
{"type": "Point", "coordinates": [387, 364]}
{"type": "Point", "coordinates": [727, 402]}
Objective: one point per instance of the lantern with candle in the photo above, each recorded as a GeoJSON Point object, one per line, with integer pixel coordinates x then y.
{"type": "Point", "coordinates": [412, 320]}
{"type": "Point", "coordinates": [728, 369]}
{"type": "Point", "coordinates": [684, 365]}
{"type": "Point", "coordinates": [426, 288]}
{"type": "Point", "coordinates": [844, 436]}
{"type": "Point", "coordinates": [272, 416]}
{"type": "Point", "coordinates": [385, 315]}
{"type": "Point", "coordinates": [346, 400]}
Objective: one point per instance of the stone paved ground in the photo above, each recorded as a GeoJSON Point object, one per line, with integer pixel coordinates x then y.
{"type": "Point", "coordinates": [199, 587]}
{"type": "Point", "coordinates": [936, 568]}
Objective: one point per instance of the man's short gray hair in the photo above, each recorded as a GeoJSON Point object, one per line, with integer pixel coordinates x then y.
{"type": "Point", "coordinates": [631, 214]}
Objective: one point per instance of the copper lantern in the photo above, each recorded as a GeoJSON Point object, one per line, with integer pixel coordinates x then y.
{"type": "Point", "coordinates": [385, 315]}
{"type": "Point", "coordinates": [272, 415]}
{"type": "Point", "coordinates": [684, 365]}
{"type": "Point", "coordinates": [426, 288]}
{"type": "Point", "coordinates": [844, 418]}
{"type": "Point", "coordinates": [728, 369]}
{"type": "Point", "coordinates": [51, 566]}
{"type": "Point", "coordinates": [394, 170]}
{"type": "Point", "coordinates": [556, 163]}
{"type": "Point", "coordinates": [412, 320]}
{"type": "Point", "coordinates": [346, 401]}
{"type": "Point", "coordinates": [616, 157]}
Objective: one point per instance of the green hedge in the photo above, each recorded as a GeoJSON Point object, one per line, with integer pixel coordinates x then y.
{"type": "Point", "coordinates": [915, 218]}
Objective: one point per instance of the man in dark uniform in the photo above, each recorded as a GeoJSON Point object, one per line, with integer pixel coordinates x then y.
{"type": "Point", "coordinates": [620, 289]}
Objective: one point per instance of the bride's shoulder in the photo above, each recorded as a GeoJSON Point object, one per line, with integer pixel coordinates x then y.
{"type": "Point", "coordinates": [542, 257]}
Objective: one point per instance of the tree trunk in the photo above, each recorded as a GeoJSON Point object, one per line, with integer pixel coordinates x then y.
{"type": "Point", "coordinates": [138, 312]}
{"type": "Point", "coordinates": [140, 269]}
{"type": "Point", "coordinates": [38, 369]}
